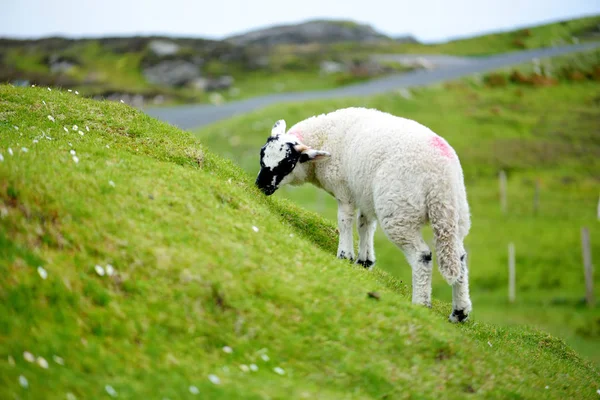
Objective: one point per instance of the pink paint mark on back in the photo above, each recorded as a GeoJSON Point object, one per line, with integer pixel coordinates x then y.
{"type": "Point", "coordinates": [298, 135]}
{"type": "Point", "coordinates": [442, 146]}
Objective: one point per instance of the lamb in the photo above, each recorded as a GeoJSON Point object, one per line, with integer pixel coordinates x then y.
{"type": "Point", "coordinates": [395, 172]}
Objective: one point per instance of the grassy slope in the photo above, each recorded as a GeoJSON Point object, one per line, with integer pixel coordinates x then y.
{"type": "Point", "coordinates": [121, 72]}
{"type": "Point", "coordinates": [546, 134]}
{"type": "Point", "coordinates": [536, 37]}
{"type": "Point", "coordinates": [193, 276]}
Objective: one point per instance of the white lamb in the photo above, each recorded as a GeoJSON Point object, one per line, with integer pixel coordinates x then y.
{"type": "Point", "coordinates": [393, 170]}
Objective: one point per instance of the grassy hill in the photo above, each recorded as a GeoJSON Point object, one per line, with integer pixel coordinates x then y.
{"type": "Point", "coordinates": [535, 133]}
{"type": "Point", "coordinates": [109, 67]}
{"type": "Point", "coordinates": [532, 37]}
{"type": "Point", "coordinates": [199, 260]}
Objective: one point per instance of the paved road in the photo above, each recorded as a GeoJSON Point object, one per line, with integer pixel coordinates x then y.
{"type": "Point", "coordinates": [198, 115]}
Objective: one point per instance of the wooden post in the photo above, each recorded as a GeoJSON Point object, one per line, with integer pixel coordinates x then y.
{"type": "Point", "coordinates": [587, 266]}
{"type": "Point", "coordinates": [536, 197]}
{"type": "Point", "coordinates": [511, 272]}
{"type": "Point", "coordinates": [502, 178]}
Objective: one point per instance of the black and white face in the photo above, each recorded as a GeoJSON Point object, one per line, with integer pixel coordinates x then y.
{"type": "Point", "coordinates": [279, 156]}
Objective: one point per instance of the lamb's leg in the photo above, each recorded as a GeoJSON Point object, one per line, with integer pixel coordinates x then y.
{"type": "Point", "coordinates": [366, 233]}
{"type": "Point", "coordinates": [461, 302]}
{"type": "Point", "coordinates": [346, 214]}
{"type": "Point", "coordinates": [405, 232]}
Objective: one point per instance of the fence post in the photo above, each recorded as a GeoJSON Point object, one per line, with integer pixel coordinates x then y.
{"type": "Point", "coordinates": [536, 197]}
{"type": "Point", "coordinates": [502, 178]}
{"type": "Point", "coordinates": [511, 272]}
{"type": "Point", "coordinates": [587, 266]}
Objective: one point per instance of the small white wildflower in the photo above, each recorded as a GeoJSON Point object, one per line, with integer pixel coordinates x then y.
{"type": "Point", "coordinates": [598, 391]}
{"type": "Point", "coordinates": [214, 379]}
{"type": "Point", "coordinates": [66, 129]}
{"type": "Point", "coordinates": [99, 270]}
{"type": "Point", "coordinates": [70, 144]}
{"type": "Point", "coordinates": [32, 85]}
{"type": "Point", "coordinates": [194, 390]}
{"type": "Point", "coordinates": [122, 101]}
{"type": "Point", "coordinates": [110, 271]}
{"type": "Point", "coordinates": [86, 128]}
{"type": "Point", "coordinates": [81, 133]}
{"type": "Point", "coordinates": [42, 362]}
{"type": "Point", "coordinates": [71, 396]}
{"type": "Point", "coordinates": [11, 361]}
{"type": "Point", "coordinates": [58, 360]}
{"type": "Point", "coordinates": [264, 357]}
{"type": "Point", "coordinates": [75, 127]}
{"type": "Point", "coordinates": [23, 381]}
{"type": "Point", "coordinates": [111, 183]}
{"type": "Point", "coordinates": [10, 151]}
{"type": "Point", "coordinates": [244, 368]}
{"type": "Point", "coordinates": [49, 89]}
{"type": "Point", "coordinates": [227, 349]}
{"type": "Point", "coordinates": [16, 127]}
{"type": "Point", "coordinates": [72, 152]}
{"type": "Point", "coordinates": [24, 149]}
{"type": "Point", "coordinates": [489, 344]}
{"type": "Point", "coordinates": [279, 370]}
{"type": "Point", "coordinates": [547, 387]}
{"type": "Point", "coordinates": [291, 235]}
{"type": "Point", "coordinates": [110, 390]}
{"type": "Point", "coordinates": [76, 92]}
{"type": "Point", "coordinates": [76, 159]}
{"type": "Point", "coordinates": [107, 146]}
{"type": "Point", "coordinates": [44, 102]}
{"type": "Point", "coordinates": [253, 367]}
{"type": "Point", "coordinates": [42, 272]}
{"type": "Point", "coordinates": [51, 118]}
{"type": "Point", "coordinates": [28, 356]}
{"type": "Point", "coordinates": [35, 141]}
{"type": "Point", "coordinates": [1, 157]}
{"type": "Point", "coordinates": [69, 90]}
{"type": "Point", "coordinates": [255, 229]}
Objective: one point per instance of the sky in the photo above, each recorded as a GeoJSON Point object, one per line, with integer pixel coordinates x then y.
{"type": "Point", "coordinates": [427, 20]}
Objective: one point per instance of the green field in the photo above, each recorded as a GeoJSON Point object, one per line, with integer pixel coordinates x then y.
{"type": "Point", "coordinates": [102, 69]}
{"type": "Point", "coordinates": [533, 37]}
{"type": "Point", "coordinates": [201, 261]}
{"type": "Point", "coordinates": [549, 135]}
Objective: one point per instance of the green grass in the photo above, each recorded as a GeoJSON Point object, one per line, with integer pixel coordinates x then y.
{"type": "Point", "coordinates": [546, 35]}
{"type": "Point", "coordinates": [192, 276]}
{"type": "Point", "coordinates": [291, 67]}
{"type": "Point", "coordinates": [545, 134]}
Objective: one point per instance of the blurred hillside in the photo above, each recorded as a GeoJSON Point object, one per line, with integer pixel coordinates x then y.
{"type": "Point", "coordinates": [307, 56]}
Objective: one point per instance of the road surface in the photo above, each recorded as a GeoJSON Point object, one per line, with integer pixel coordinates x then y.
{"type": "Point", "coordinates": [198, 115]}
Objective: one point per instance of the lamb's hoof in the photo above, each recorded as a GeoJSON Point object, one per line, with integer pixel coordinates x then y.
{"type": "Point", "coordinates": [343, 256]}
{"type": "Point", "coordinates": [368, 264]}
{"type": "Point", "coordinates": [458, 316]}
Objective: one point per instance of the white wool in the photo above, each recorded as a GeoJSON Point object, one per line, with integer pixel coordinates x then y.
{"type": "Point", "coordinates": [401, 174]}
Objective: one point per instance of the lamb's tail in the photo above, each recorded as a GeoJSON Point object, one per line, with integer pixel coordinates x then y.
{"type": "Point", "coordinates": [449, 216]}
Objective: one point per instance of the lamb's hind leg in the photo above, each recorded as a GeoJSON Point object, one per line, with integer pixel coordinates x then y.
{"type": "Point", "coordinates": [461, 302]}
{"type": "Point", "coordinates": [366, 233]}
{"type": "Point", "coordinates": [408, 237]}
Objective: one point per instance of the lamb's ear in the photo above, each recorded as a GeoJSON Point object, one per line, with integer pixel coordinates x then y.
{"type": "Point", "coordinates": [278, 128]}
{"type": "Point", "coordinates": [308, 154]}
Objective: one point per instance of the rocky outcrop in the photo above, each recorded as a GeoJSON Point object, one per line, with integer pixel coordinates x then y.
{"type": "Point", "coordinates": [310, 32]}
{"type": "Point", "coordinates": [171, 73]}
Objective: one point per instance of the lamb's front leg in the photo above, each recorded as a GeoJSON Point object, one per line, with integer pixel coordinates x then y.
{"type": "Point", "coordinates": [346, 214]}
{"type": "Point", "coordinates": [366, 233]}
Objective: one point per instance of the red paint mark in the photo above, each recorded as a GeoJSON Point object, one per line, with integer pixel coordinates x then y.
{"type": "Point", "coordinates": [298, 135]}
{"type": "Point", "coordinates": [442, 146]}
